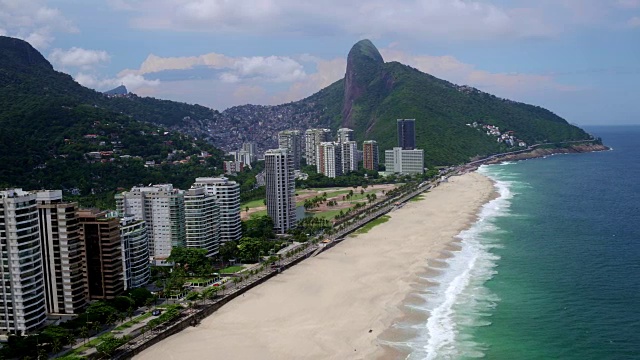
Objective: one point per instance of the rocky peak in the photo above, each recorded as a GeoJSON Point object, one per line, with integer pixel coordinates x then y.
{"type": "Point", "coordinates": [19, 54]}
{"type": "Point", "coordinates": [364, 63]}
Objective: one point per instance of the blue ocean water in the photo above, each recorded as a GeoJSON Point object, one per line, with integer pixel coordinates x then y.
{"type": "Point", "coordinates": [551, 270]}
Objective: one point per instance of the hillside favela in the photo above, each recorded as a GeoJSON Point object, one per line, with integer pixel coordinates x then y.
{"type": "Point", "coordinates": [420, 180]}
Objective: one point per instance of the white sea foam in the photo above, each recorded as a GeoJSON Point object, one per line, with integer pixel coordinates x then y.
{"type": "Point", "coordinates": [460, 300]}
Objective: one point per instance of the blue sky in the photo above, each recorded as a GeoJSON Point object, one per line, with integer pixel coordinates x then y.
{"type": "Point", "coordinates": [578, 58]}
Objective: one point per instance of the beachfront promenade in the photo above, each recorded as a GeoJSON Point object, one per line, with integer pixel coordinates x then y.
{"type": "Point", "coordinates": [143, 338]}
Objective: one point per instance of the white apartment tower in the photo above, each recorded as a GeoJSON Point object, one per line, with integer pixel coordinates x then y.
{"type": "Point", "coordinates": [63, 257]}
{"type": "Point", "coordinates": [227, 195]}
{"type": "Point", "coordinates": [22, 293]}
{"type": "Point", "coordinates": [313, 138]}
{"type": "Point", "coordinates": [345, 135]}
{"type": "Point", "coordinates": [329, 160]}
{"type": "Point", "coordinates": [202, 217]}
{"type": "Point", "coordinates": [251, 150]}
{"type": "Point", "coordinates": [281, 188]}
{"type": "Point", "coordinates": [292, 141]}
{"type": "Point", "coordinates": [349, 156]}
{"type": "Point", "coordinates": [403, 161]}
{"type": "Point", "coordinates": [162, 208]}
{"type": "Point", "coordinates": [135, 252]}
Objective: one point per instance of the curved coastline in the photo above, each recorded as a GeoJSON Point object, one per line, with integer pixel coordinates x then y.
{"type": "Point", "coordinates": [336, 305]}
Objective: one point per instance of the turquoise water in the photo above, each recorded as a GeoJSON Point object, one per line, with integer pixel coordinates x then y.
{"type": "Point", "coordinates": [552, 268]}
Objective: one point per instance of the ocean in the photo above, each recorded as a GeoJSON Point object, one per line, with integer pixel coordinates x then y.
{"type": "Point", "coordinates": [551, 269]}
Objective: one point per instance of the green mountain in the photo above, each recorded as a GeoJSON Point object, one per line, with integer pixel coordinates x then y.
{"type": "Point", "coordinates": [373, 94]}
{"type": "Point", "coordinates": [55, 133]}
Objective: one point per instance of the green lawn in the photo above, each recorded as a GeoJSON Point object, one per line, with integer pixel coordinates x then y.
{"type": "Point", "coordinates": [133, 321]}
{"type": "Point", "coordinates": [258, 214]}
{"type": "Point", "coordinates": [417, 198]}
{"type": "Point", "coordinates": [329, 214]}
{"type": "Point", "coordinates": [231, 269]}
{"type": "Point", "coordinates": [370, 225]}
{"type": "Point", "coordinates": [252, 204]}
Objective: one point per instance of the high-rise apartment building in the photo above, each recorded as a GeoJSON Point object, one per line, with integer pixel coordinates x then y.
{"type": "Point", "coordinates": [407, 134]}
{"type": "Point", "coordinates": [22, 293]}
{"type": "Point", "coordinates": [292, 141]}
{"type": "Point", "coordinates": [135, 252]}
{"type": "Point", "coordinates": [345, 135]}
{"type": "Point", "coordinates": [403, 161]}
{"type": "Point", "coordinates": [162, 208]}
{"type": "Point", "coordinates": [280, 188]}
{"type": "Point", "coordinates": [63, 260]}
{"type": "Point", "coordinates": [251, 149]}
{"type": "Point", "coordinates": [100, 231]}
{"type": "Point", "coordinates": [349, 156]}
{"type": "Point", "coordinates": [202, 218]}
{"type": "Point", "coordinates": [242, 156]}
{"type": "Point", "coordinates": [329, 160]}
{"type": "Point", "coordinates": [370, 155]}
{"type": "Point", "coordinates": [227, 195]}
{"type": "Point", "coordinates": [313, 138]}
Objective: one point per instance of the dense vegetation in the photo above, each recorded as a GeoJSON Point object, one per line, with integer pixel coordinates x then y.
{"type": "Point", "coordinates": [57, 134]}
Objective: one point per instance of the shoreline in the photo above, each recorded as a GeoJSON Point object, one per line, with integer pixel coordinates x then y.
{"type": "Point", "coordinates": [338, 304]}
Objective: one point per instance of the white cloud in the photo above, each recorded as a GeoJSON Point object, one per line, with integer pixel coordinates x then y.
{"type": "Point", "coordinates": [155, 63]}
{"type": "Point", "coordinates": [634, 22]}
{"type": "Point", "coordinates": [447, 19]}
{"type": "Point", "coordinates": [270, 68]}
{"type": "Point", "coordinates": [33, 21]}
{"type": "Point", "coordinates": [131, 81]}
{"type": "Point", "coordinates": [451, 69]}
{"type": "Point", "coordinates": [78, 57]}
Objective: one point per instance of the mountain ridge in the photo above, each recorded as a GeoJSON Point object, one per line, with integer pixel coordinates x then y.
{"type": "Point", "coordinates": [371, 96]}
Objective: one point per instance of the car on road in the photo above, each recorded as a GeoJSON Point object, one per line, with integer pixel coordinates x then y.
{"type": "Point", "coordinates": [156, 312]}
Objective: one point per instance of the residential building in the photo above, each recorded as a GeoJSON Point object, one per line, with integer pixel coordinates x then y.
{"type": "Point", "coordinates": [162, 208]}
{"type": "Point", "coordinates": [370, 154]}
{"type": "Point", "coordinates": [407, 134]}
{"type": "Point", "coordinates": [100, 231]}
{"type": "Point", "coordinates": [345, 135]}
{"type": "Point", "coordinates": [63, 261]}
{"type": "Point", "coordinates": [280, 188]}
{"type": "Point", "coordinates": [313, 138]}
{"type": "Point", "coordinates": [349, 156]}
{"type": "Point", "coordinates": [22, 293]}
{"type": "Point", "coordinates": [251, 149]}
{"type": "Point", "coordinates": [243, 157]}
{"type": "Point", "coordinates": [202, 219]}
{"type": "Point", "coordinates": [329, 161]}
{"type": "Point", "coordinates": [135, 252]}
{"type": "Point", "coordinates": [227, 195]}
{"type": "Point", "coordinates": [292, 141]}
{"type": "Point", "coordinates": [403, 161]}
{"type": "Point", "coordinates": [232, 167]}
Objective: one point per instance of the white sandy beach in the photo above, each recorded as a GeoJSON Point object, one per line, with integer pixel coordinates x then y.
{"type": "Point", "coordinates": [336, 305]}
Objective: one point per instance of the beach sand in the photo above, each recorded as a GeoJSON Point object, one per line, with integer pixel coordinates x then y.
{"type": "Point", "coordinates": [338, 304]}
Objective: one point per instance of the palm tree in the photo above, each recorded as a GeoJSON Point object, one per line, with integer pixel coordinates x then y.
{"type": "Point", "coordinates": [96, 326]}
{"type": "Point", "coordinates": [112, 319]}
{"type": "Point", "coordinates": [56, 346]}
{"type": "Point", "coordinates": [84, 333]}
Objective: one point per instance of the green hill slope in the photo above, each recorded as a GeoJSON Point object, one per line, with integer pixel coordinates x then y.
{"type": "Point", "coordinates": [374, 94]}
{"type": "Point", "coordinates": [57, 134]}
